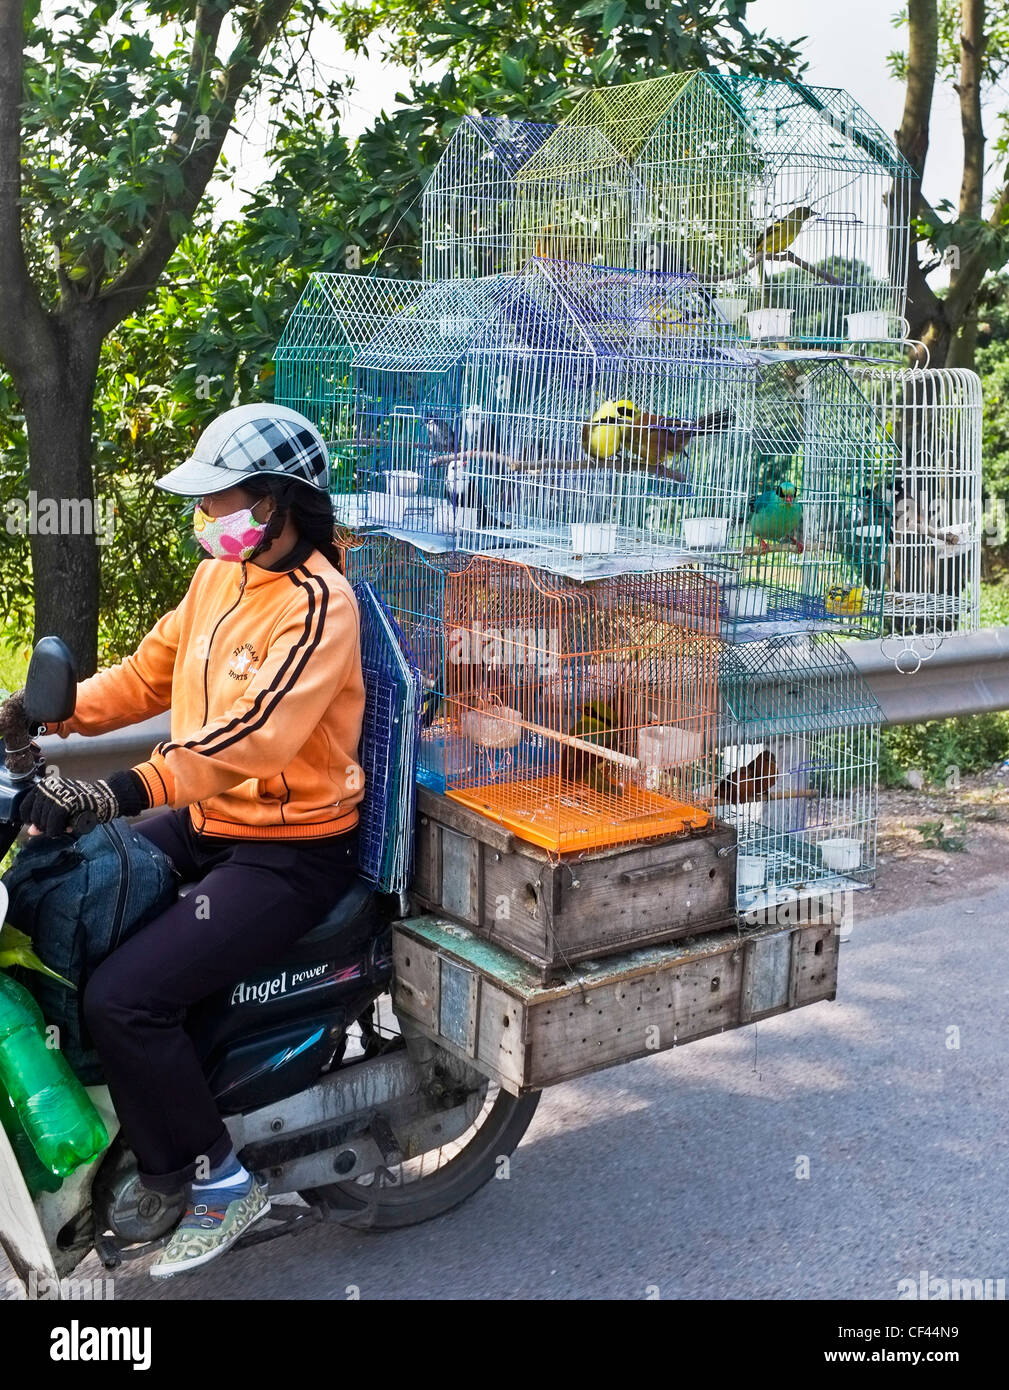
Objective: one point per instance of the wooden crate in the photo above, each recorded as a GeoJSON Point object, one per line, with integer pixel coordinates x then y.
{"type": "Point", "coordinates": [482, 1003]}
{"type": "Point", "coordinates": [555, 912]}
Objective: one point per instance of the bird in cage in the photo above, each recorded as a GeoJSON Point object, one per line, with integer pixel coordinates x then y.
{"type": "Point", "coordinates": [603, 435]}
{"type": "Point", "coordinates": [654, 439]}
{"type": "Point", "coordinates": [750, 783]}
{"type": "Point", "coordinates": [598, 721]}
{"type": "Point", "coordinates": [776, 516]}
{"type": "Point", "coordinates": [779, 235]}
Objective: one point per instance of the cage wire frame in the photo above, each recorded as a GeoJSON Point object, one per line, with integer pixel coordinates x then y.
{"type": "Point", "coordinates": [411, 586]}
{"type": "Point", "coordinates": [581, 418]}
{"type": "Point", "coordinates": [796, 553]}
{"type": "Point", "coordinates": [788, 201]}
{"type": "Point", "coordinates": [931, 520]}
{"type": "Point", "coordinates": [584, 711]}
{"type": "Point", "coordinates": [799, 767]}
{"type": "Point", "coordinates": [468, 204]}
{"type": "Point", "coordinates": [389, 744]}
{"type": "Point", "coordinates": [335, 317]}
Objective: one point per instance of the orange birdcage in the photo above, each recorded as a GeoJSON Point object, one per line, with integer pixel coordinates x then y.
{"type": "Point", "coordinates": [583, 712]}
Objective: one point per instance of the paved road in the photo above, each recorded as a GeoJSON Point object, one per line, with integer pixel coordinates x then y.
{"type": "Point", "coordinates": [679, 1171]}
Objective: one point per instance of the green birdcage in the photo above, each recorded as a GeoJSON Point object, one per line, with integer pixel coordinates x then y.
{"type": "Point", "coordinates": [335, 317]}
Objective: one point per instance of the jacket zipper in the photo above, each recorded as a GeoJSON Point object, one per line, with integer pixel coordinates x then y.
{"type": "Point", "coordinates": [206, 665]}
{"type": "Point", "coordinates": [124, 884]}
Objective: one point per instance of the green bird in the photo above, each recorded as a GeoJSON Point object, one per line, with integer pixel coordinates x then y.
{"type": "Point", "coordinates": [597, 722]}
{"type": "Point", "coordinates": [778, 236]}
{"type": "Point", "coordinates": [776, 516]}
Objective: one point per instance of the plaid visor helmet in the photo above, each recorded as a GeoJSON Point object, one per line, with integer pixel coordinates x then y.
{"type": "Point", "coordinates": [248, 442]}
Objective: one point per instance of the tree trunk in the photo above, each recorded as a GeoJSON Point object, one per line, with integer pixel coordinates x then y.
{"type": "Point", "coordinates": [58, 403]}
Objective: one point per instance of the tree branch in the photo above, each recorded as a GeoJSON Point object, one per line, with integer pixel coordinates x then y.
{"type": "Point", "coordinates": [22, 318]}
{"type": "Point", "coordinates": [196, 163]}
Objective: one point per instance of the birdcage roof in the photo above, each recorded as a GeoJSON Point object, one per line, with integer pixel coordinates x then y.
{"type": "Point", "coordinates": [555, 308]}
{"type": "Point", "coordinates": [564, 306]}
{"type": "Point", "coordinates": [788, 120]}
{"type": "Point", "coordinates": [342, 310]}
{"type": "Point", "coordinates": [793, 120]}
{"type": "Point", "coordinates": [507, 142]}
{"type": "Point", "coordinates": [795, 683]}
{"type": "Point", "coordinates": [433, 331]}
{"type": "Point", "coordinates": [576, 149]}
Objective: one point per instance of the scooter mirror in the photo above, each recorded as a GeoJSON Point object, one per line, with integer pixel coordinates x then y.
{"type": "Point", "coordinates": [51, 683]}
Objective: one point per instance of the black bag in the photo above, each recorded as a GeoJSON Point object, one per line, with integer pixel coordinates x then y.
{"type": "Point", "coordinates": [78, 900]}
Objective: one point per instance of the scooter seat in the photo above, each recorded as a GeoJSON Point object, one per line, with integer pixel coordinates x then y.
{"type": "Point", "coordinates": [349, 924]}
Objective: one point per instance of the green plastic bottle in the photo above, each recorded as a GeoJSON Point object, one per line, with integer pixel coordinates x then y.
{"type": "Point", "coordinates": [53, 1107]}
{"type": "Point", "coordinates": [37, 1179]}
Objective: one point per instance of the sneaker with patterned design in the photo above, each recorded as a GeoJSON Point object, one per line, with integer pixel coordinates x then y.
{"type": "Point", "coordinates": [208, 1229]}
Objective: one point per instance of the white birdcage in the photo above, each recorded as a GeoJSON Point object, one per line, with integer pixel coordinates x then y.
{"type": "Point", "coordinates": [469, 201]}
{"type": "Point", "coordinates": [787, 201]}
{"type": "Point", "coordinates": [798, 772]}
{"type": "Point", "coordinates": [930, 519]}
{"type": "Point", "coordinates": [580, 417]}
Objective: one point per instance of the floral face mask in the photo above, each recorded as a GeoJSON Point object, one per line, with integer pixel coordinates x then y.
{"type": "Point", "coordinates": [231, 537]}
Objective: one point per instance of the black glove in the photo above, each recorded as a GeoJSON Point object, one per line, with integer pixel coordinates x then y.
{"type": "Point", "coordinates": [54, 802]}
{"type": "Point", "coordinates": [12, 713]}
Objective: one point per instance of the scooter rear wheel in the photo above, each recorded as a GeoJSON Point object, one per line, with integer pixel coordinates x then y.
{"type": "Point", "coordinates": [422, 1188]}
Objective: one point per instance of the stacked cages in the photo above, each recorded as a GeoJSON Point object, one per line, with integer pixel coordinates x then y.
{"type": "Point", "coordinates": [787, 201]}
{"type": "Point", "coordinates": [411, 585]}
{"type": "Point", "coordinates": [468, 204]}
{"type": "Point", "coordinates": [584, 713]}
{"type": "Point", "coordinates": [334, 318]}
{"type": "Point", "coordinates": [581, 417]}
{"type": "Point", "coordinates": [798, 767]}
{"type": "Point", "coordinates": [930, 520]}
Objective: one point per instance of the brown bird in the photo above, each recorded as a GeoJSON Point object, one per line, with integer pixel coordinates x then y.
{"type": "Point", "coordinates": [654, 439]}
{"type": "Point", "coordinates": [749, 783]}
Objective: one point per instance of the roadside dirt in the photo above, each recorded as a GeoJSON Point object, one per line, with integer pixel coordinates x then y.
{"type": "Point", "coordinates": [915, 862]}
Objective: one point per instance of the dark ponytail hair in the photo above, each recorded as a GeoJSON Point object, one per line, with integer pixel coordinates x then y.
{"type": "Point", "coordinates": [309, 509]}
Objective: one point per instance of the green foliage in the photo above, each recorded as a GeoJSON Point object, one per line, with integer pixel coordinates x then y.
{"type": "Point", "coordinates": [935, 835]}
{"type": "Point", "coordinates": [969, 744]}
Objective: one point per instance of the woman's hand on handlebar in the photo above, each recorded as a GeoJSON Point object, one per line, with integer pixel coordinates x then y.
{"type": "Point", "coordinates": [61, 805]}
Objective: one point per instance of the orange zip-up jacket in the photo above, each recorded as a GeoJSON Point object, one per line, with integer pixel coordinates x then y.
{"type": "Point", "coordinates": [265, 688]}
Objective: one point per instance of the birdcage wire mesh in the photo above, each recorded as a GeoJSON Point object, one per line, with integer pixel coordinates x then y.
{"type": "Point", "coordinates": [930, 521]}
{"type": "Point", "coordinates": [585, 711]}
{"type": "Point", "coordinates": [388, 752]}
{"type": "Point", "coordinates": [411, 586]}
{"type": "Point", "coordinates": [798, 766]}
{"type": "Point", "coordinates": [796, 552]}
{"type": "Point", "coordinates": [585, 413]}
{"type": "Point", "coordinates": [787, 200]}
{"type": "Point", "coordinates": [468, 204]}
{"type": "Point", "coordinates": [334, 318]}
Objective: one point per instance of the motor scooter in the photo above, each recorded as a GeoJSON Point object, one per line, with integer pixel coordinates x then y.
{"type": "Point", "coordinates": [345, 1112]}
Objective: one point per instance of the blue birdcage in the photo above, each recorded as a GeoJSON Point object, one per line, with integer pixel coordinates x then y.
{"type": "Point", "coordinates": [411, 586]}
{"type": "Point", "coordinates": [469, 201]}
{"type": "Point", "coordinates": [389, 741]}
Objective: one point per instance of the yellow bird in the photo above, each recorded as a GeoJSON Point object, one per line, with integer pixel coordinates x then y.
{"type": "Point", "coordinates": [603, 436]}
{"type": "Point", "coordinates": [844, 601]}
{"type": "Point", "coordinates": [778, 236]}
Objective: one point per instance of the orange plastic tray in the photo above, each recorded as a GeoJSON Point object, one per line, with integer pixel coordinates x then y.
{"type": "Point", "coordinates": [566, 816]}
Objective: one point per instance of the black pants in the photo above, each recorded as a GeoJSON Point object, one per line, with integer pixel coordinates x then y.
{"type": "Point", "coordinates": [255, 898]}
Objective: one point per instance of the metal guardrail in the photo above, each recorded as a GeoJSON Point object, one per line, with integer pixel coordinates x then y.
{"type": "Point", "coordinates": [967, 675]}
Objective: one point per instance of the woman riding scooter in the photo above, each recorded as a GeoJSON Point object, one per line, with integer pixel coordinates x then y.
{"type": "Point", "coordinates": [260, 665]}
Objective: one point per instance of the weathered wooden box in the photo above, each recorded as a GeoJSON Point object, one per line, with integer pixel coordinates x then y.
{"type": "Point", "coordinates": [483, 1003]}
{"type": "Point", "coordinates": [553, 912]}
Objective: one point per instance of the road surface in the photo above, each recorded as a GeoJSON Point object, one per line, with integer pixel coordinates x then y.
{"type": "Point", "coordinates": [684, 1175]}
